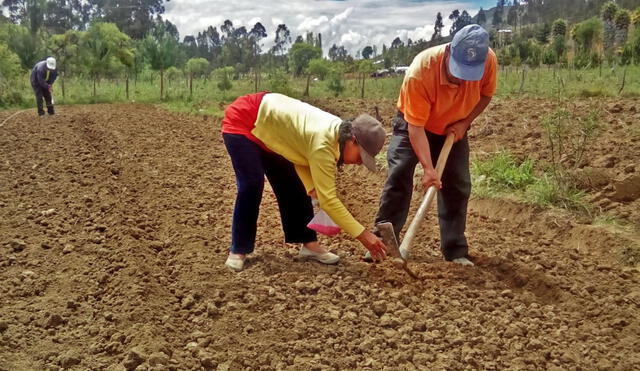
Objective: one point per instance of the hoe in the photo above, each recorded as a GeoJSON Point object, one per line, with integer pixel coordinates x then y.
{"type": "Point", "coordinates": [401, 254]}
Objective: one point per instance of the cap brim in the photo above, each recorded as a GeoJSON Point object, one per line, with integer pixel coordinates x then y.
{"type": "Point", "coordinates": [368, 160]}
{"type": "Point", "coordinates": [465, 72]}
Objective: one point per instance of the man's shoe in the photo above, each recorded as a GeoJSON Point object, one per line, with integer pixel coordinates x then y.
{"type": "Point", "coordinates": [235, 262]}
{"type": "Point", "coordinates": [463, 261]}
{"type": "Point", "coordinates": [323, 257]}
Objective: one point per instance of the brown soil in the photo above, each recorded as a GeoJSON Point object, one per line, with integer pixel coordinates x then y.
{"type": "Point", "coordinates": [114, 226]}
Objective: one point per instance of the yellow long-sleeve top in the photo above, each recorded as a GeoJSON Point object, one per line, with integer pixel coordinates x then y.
{"type": "Point", "coordinates": [308, 137]}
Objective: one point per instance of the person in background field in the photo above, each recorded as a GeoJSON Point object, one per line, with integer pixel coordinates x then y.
{"type": "Point", "coordinates": [298, 147]}
{"type": "Point", "coordinates": [43, 76]}
{"type": "Point", "coordinates": [444, 90]}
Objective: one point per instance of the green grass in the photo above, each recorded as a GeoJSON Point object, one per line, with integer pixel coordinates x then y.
{"type": "Point", "coordinates": [545, 82]}
{"type": "Point", "coordinates": [502, 175]}
{"type": "Point", "coordinates": [542, 82]}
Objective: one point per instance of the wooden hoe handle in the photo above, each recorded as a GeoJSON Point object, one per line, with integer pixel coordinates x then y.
{"type": "Point", "coordinates": [428, 197]}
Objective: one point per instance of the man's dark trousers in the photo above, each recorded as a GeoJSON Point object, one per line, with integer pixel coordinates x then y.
{"type": "Point", "coordinates": [452, 198]}
{"type": "Point", "coordinates": [46, 94]}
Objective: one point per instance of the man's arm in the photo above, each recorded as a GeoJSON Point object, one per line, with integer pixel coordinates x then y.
{"type": "Point", "coordinates": [420, 145]}
{"type": "Point", "coordinates": [40, 72]}
{"type": "Point", "coordinates": [460, 128]}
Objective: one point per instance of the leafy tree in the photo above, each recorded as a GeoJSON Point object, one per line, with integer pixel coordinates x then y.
{"type": "Point", "coordinates": [437, 28]}
{"type": "Point", "coordinates": [299, 57]}
{"type": "Point", "coordinates": [367, 52]}
{"type": "Point", "coordinates": [453, 17]}
{"type": "Point", "coordinates": [195, 67]}
{"type": "Point", "coordinates": [558, 45]}
{"type": "Point", "coordinates": [319, 67]}
{"type": "Point", "coordinates": [609, 11]}
{"type": "Point", "coordinates": [635, 18]}
{"type": "Point", "coordinates": [279, 82]}
{"type": "Point", "coordinates": [338, 53]}
{"type": "Point", "coordinates": [622, 22]}
{"type": "Point", "coordinates": [103, 48]}
{"type": "Point", "coordinates": [257, 33]}
{"type": "Point", "coordinates": [365, 68]}
{"type": "Point", "coordinates": [336, 79]}
{"type": "Point", "coordinates": [512, 15]}
{"type": "Point", "coordinates": [283, 38]}
{"type": "Point", "coordinates": [586, 35]}
{"type": "Point", "coordinates": [224, 75]}
{"type": "Point", "coordinates": [498, 13]}
{"type": "Point", "coordinates": [161, 50]}
{"type": "Point", "coordinates": [460, 20]}
{"type": "Point", "coordinates": [65, 48]}
{"type": "Point", "coordinates": [559, 28]}
{"type": "Point", "coordinates": [26, 45]}
{"type": "Point", "coordinates": [61, 16]}
{"type": "Point", "coordinates": [133, 17]}
{"type": "Point", "coordinates": [9, 71]}
{"type": "Point", "coordinates": [482, 17]}
{"type": "Point", "coordinates": [542, 33]}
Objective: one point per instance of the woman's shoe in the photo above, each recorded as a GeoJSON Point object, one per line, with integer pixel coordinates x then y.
{"type": "Point", "coordinates": [323, 257]}
{"type": "Point", "coordinates": [235, 261]}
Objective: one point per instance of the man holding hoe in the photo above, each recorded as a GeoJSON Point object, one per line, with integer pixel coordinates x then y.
{"type": "Point", "coordinates": [445, 89]}
{"type": "Point", "coordinates": [43, 76]}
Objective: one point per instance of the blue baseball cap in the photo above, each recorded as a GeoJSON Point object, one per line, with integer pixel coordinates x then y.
{"type": "Point", "coordinates": [469, 49]}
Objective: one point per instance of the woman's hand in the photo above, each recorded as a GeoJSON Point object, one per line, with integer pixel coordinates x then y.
{"type": "Point", "coordinates": [313, 194]}
{"type": "Point", "coordinates": [375, 246]}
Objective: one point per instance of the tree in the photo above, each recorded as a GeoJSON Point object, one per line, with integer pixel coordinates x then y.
{"type": "Point", "coordinates": [161, 50]}
{"type": "Point", "coordinates": [453, 17]}
{"type": "Point", "coordinates": [133, 17]}
{"type": "Point", "coordinates": [61, 16]}
{"type": "Point", "coordinates": [103, 48]}
{"type": "Point", "coordinates": [542, 33]}
{"type": "Point", "coordinates": [9, 71]}
{"type": "Point", "coordinates": [437, 29]}
{"type": "Point", "coordinates": [27, 46]}
{"type": "Point", "coordinates": [559, 32]}
{"type": "Point", "coordinates": [586, 35]}
{"type": "Point", "coordinates": [367, 51]}
{"type": "Point", "coordinates": [622, 22]}
{"type": "Point", "coordinates": [283, 38]}
{"type": "Point", "coordinates": [498, 13]}
{"type": "Point", "coordinates": [65, 48]}
{"type": "Point", "coordinates": [319, 67]}
{"type": "Point", "coordinates": [609, 11]}
{"type": "Point", "coordinates": [338, 53]}
{"type": "Point", "coordinates": [365, 68]}
{"type": "Point", "coordinates": [559, 28]}
{"type": "Point", "coordinates": [195, 66]}
{"type": "Point", "coordinates": [299, 57]}
{"type": "Point", "coordinates": [512, 15]}
{"type": "Point", "coordinates": [224, 75]}
{"type": "Point", "coordinates": [336, 77]}
{"type": "Point", "coordinates": [482, 17]}
{"type": "Point", "coordinates": [257, 33]}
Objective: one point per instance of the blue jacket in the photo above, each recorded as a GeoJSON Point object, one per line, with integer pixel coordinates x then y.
{"type": "Point", "coordinates": [41, 76]}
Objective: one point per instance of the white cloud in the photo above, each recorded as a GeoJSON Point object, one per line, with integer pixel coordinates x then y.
{"type": "Point", "coordinates": [311, 24]}
{"type": "Point", "coordinates": [353, 23]}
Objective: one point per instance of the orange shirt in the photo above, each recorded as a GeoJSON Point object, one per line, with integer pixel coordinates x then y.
{"type": "Point", "coordinates": [429, 100]}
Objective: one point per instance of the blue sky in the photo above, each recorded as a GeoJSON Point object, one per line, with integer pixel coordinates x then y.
{"type": "Point", "coordinates": [351, 23]}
